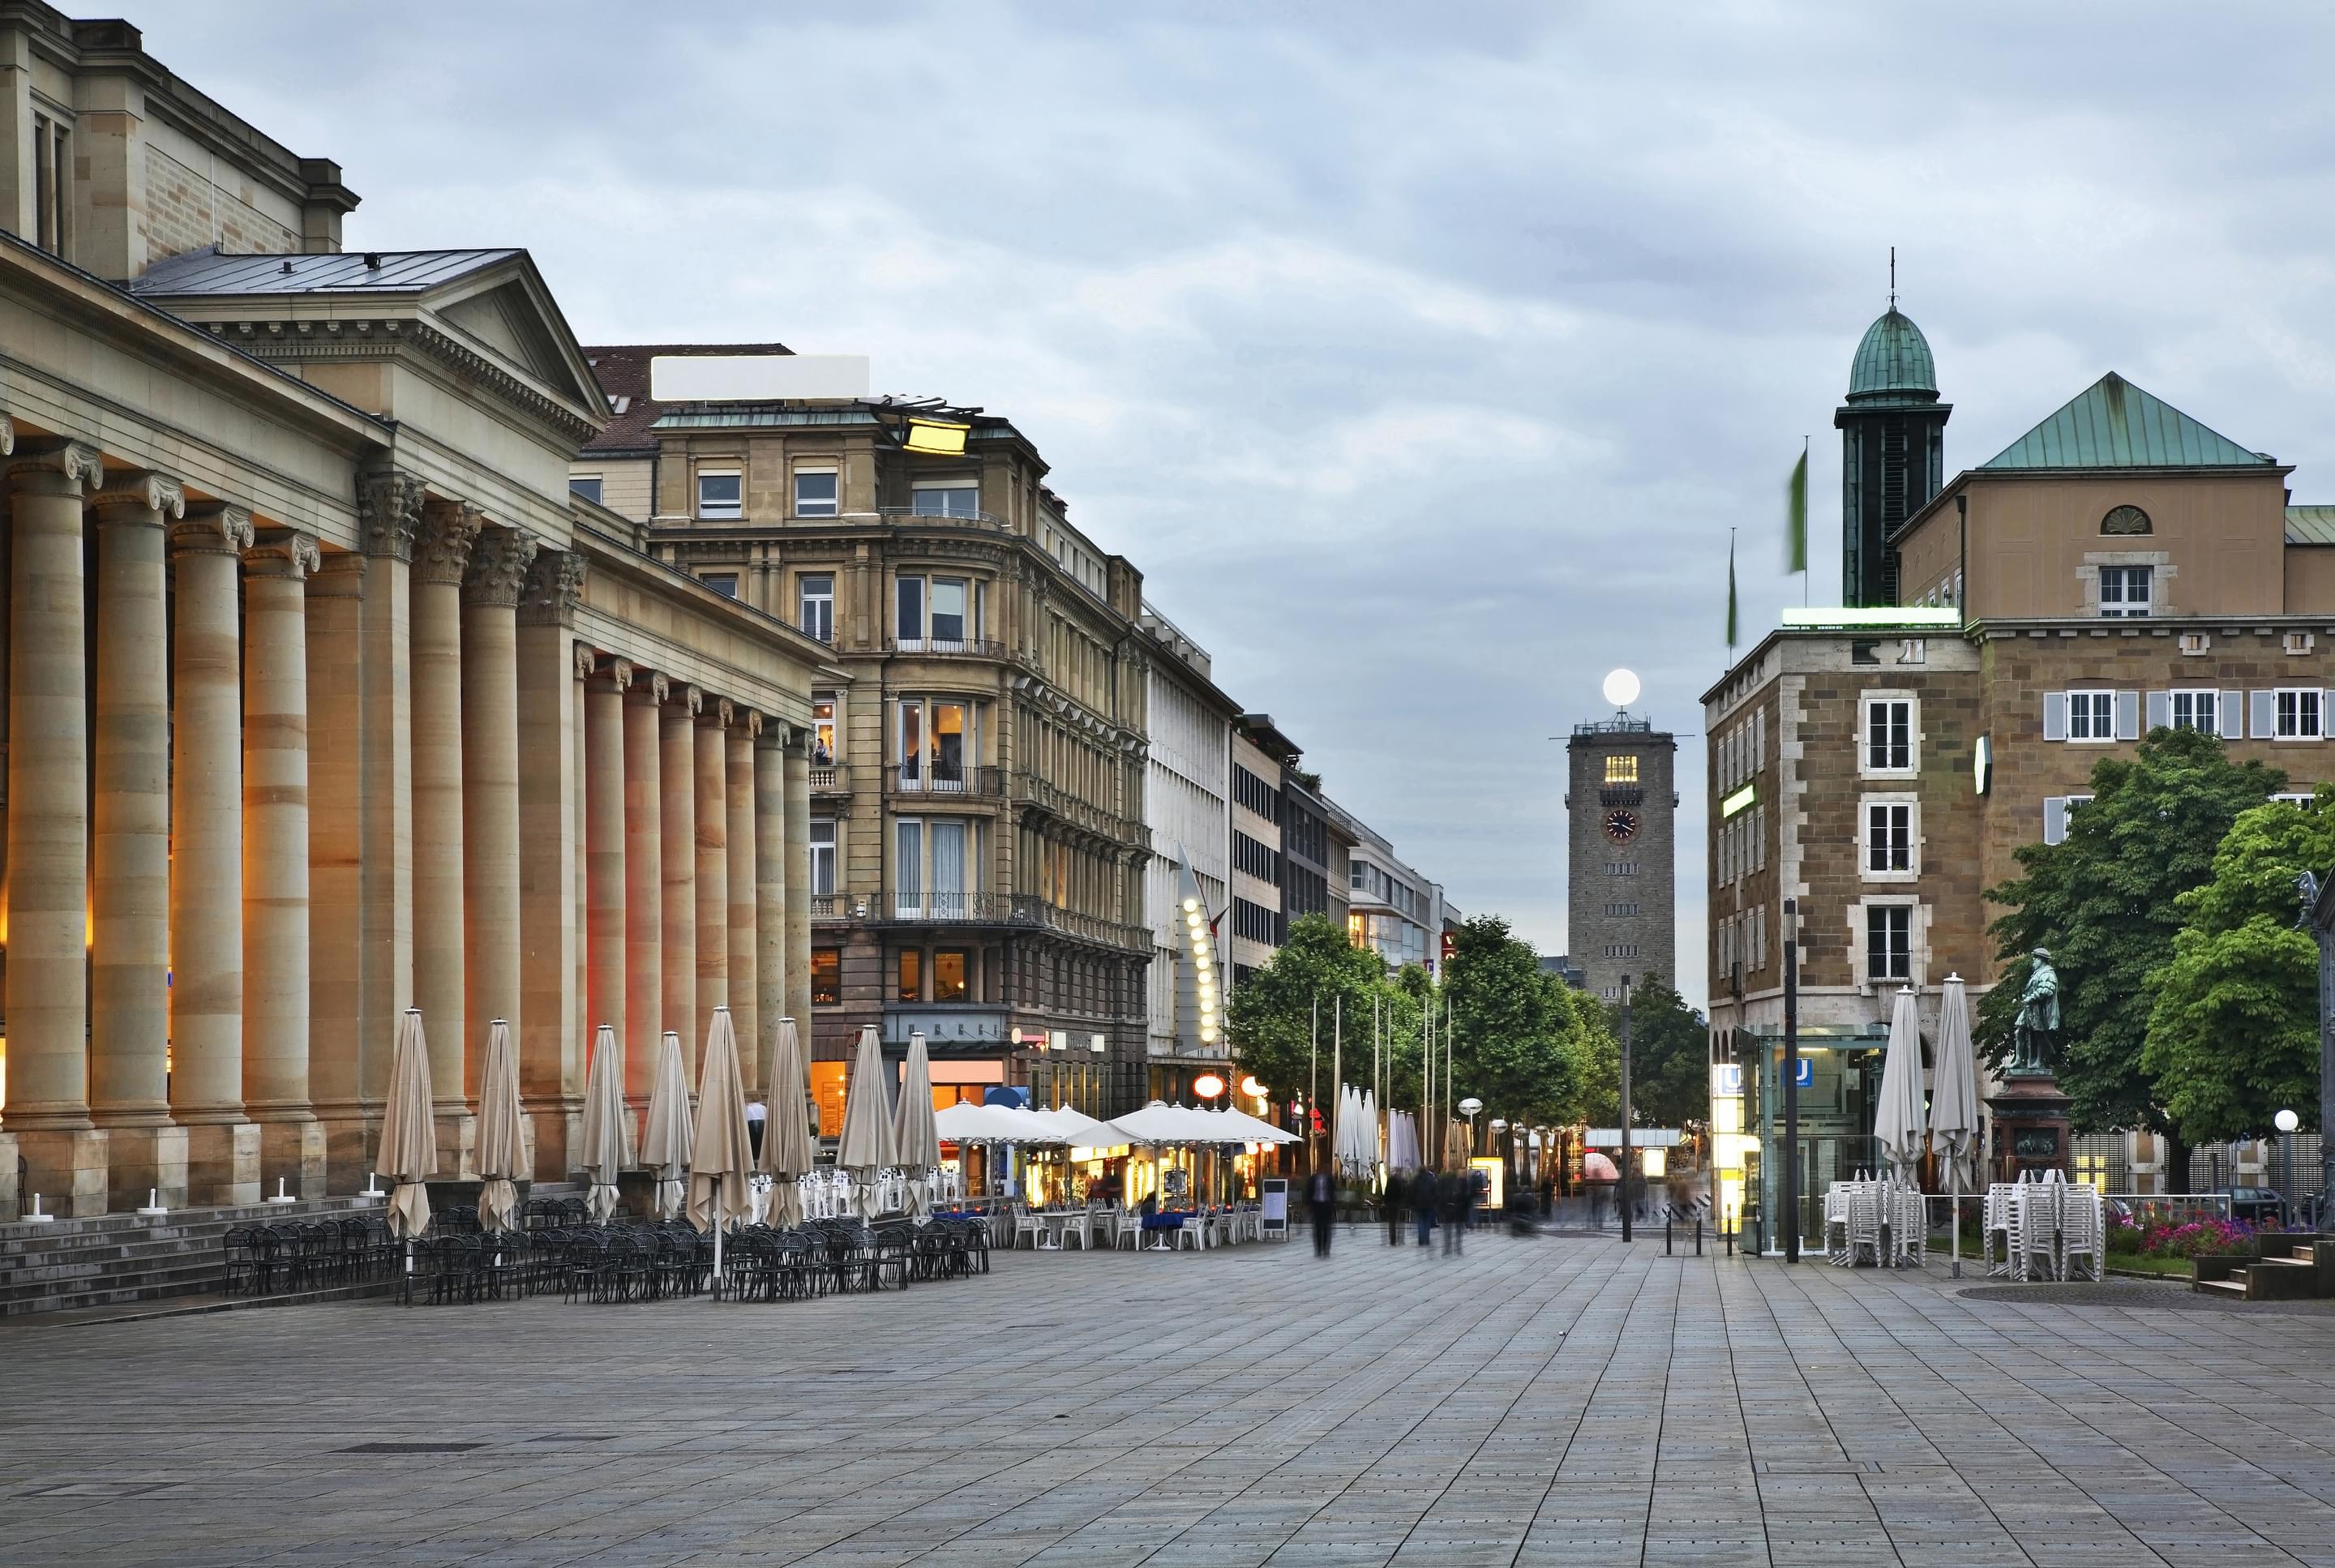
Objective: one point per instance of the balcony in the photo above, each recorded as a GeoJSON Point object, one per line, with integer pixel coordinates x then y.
{"type": "Point", "coordinates": [987, 522]}
{"type": "Point", "coordinates": [831, 778]}
{"type": "Point", "coordinates": [944, 781]}
{"type": "Point", "coordinates": [1035, 792]}
{"type": "Point", "coordinates": [829, 906]}
{"type": "Point", "coordinates": [947, 647]}
{"type": "Point", "coordinates": [1002, 910]}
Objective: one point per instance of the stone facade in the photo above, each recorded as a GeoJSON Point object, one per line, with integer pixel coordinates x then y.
{"type": "Point", "coordinates": [1621, 860]}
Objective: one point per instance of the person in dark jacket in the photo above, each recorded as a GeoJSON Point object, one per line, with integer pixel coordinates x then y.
{"type": "Point", "coordinates": [1423, 1199]}
{"type": "Point", "coordinates": [1458, 1197]}
{"type": "Point", "coordinates": [1322, 1197]}
{"type": "Point", "coordinates": [1396, 1198]}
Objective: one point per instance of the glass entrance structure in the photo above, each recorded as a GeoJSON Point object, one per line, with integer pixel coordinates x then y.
{"type": "Point", "coordinates": [1840, 1080]}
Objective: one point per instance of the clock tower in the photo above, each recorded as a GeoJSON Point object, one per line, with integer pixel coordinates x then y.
{"type": "Point", "coordinates": [1621, 916]}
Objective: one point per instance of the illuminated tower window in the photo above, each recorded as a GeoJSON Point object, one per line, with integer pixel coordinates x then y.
{"type": "Point", "coordinates": [1621, 770]}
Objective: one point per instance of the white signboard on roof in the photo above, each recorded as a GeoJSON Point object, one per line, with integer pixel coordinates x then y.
{"type": "Point", "coordinates": [682, 378]}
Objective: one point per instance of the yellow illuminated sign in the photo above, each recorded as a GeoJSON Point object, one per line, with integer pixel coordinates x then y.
{"type": "Point", "coordinates": [1739, 800]}
{"type": "Point", "coordinates": [936, 438]}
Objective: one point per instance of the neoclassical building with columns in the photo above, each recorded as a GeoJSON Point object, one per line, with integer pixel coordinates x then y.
{"type": "Point", "coordinates": [324, 696]}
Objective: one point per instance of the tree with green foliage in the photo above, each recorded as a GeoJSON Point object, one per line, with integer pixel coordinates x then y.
{"type": "Point", "coordinates": [1669, 1057]}
{"type": "Point", "coordinates": [1271, 1020]}
{"type": "Point", "coordinates": [1594, 1052]}
{"type": "Point", "coordinates": [2233, 1019]}
{"type": "Point", "coordinates": [2104, 902]}
{"type": "Point", "coordinates": [1510, 1027]}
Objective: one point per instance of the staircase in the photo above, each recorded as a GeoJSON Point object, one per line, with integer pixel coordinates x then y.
{"type": "Point", "coordinates": [2292, 1268]}
{"type": "Point", "coordinates": [118, 1258]}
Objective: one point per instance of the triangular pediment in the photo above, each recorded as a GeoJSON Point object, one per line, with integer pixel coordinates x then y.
{"type": "Point", "coordinates": [2113, 424]}
{"type": "Point", "coordinates": [508, 315]}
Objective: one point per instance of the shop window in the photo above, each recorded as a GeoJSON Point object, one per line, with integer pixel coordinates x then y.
{"type": "Point", "coordinates": [826, 977]}
{"type": "Point", "coordinates": [830, 1088]}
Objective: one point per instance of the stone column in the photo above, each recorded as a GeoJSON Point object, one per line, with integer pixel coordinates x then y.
{"type": "Point", "coordinates": [47, 1113]}
{"type": "Point", "coordinates": [745, 992]}
{"type": "Point", "coordinates": [712, 933]}
{"type": "Point", "coordinates": [276, 1039]}
{"type": "Point", "coordinates": [606, 872]}
{"type": "Point", "coordinates": [490, 870]}
{"type": "Point", "coordinates": [130, 848]}
{"type": "Point", "coordinates": [677, 794]}
{"type": "Point", "coordinates": [644, 880]}
{"type": "Point", "coordinates": [552, 1042]}
{"type": "Point", "coordinates": [797, 832]}
{"type": "Point", "coordinates": [771, 899]}
{"type": "Point", "coordinates": [388, 514]}
{"type": "Point", "coordinates": [336, 960]}
{"type": "Point", "coordinates": [448, 529]}
{"type": "Point", "coordinates": [207, 860]}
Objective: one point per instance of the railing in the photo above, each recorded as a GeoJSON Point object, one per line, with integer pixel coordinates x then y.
{"type": "Point", "coordinates": [989, 521]}
{"type": "Point", "coordinates": [831, 778]}
{"type": "Point", "coordinates": [829, 905]}
{"type": "Point", "coordinates": [1033, 790]}
{"type": "Point", "coordinates": [1025, 910]}
{"type": "Point", "coordinates": [944, 781]}
{"type": "Point", "coordinates": [969, 647]}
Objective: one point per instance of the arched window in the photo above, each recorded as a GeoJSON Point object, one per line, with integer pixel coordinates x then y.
{"type": "Point", "coordinates": [2125, 521]}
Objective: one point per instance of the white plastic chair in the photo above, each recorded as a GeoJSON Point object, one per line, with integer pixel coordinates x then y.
{"type": "Point", "coordinates": [1865, 1223]}
{"type": "Point", "coordinates": [1129, 1229]}
{"type": "Point", "coordinates": [1836, 1224]}
{"type": "Point", "coordinates": [1026, 1223]}
{"type": "Point", "coordinates": [2081, 1226]}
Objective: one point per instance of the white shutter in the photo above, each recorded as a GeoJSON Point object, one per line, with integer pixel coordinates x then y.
{"type": "Point", "coordinates": [2055, 819]}
{"type": "Point", "coordinates": [2326, 715]}
{"type": "Point", "coordinates": [2262, 708]}
{"type": "Point", "coordinates": [2127, 710]}
{"type": "Point", "coordinates": [2160, 710]}
{"type": "Point", "coordinates": [2233, 715]}
{"type": "Point", "coordinates": [2055, 715]}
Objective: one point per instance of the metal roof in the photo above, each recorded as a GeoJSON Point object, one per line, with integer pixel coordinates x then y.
{"type": "Point", "coordinates": [729, 416]}
{"type": "Point", "coordinates": [1893, 360]}
{"type": "Point", "coordinates": [2311, 524]}
{"type": "Point", "coordinates": [210, 272]}
{"type": "Point", "coordinates": [2113, 425]}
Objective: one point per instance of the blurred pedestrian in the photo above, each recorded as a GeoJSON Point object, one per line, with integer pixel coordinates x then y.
{"type": "Point", "coordinates": [1322, 1197]}
{"type": "Point", "coordinates": [1480, 1195]}
{"type": "Point", "coordinates": [1397, 1195]}
{"type": "Point", "coordinates": [1458, 1196]}
{"type": "Point", "coordinates": [1423, 1199]}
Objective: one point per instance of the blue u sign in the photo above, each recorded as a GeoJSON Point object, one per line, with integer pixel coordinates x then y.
{"type": "Point", "coordinates": [1803, 1073]}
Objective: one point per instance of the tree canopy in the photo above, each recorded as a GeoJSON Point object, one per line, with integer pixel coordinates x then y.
{"type": "Point", "coordinates": [1270, 1020]}
{"type": "Point", "coordinates": [1669, 1057]}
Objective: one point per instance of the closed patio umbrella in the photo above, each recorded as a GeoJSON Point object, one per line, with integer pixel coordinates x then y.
{"type": "Point", "coordinates": [1954, 1104]}
{"type": "Point", "coordinates": [718, 1155]}
{"type": "Point", "coordinates": [665, 1135]}
{"type": "Point", "coordinates": [787, 1152]}
{"type": "Point", "coordinates": [607, 1130]}
{"type": "Point", "coordinates": [1899, 1125]}
{"type": "Point", "coordinates": [408, 1138]}
{"type": "Point", "coordinates": [865, 1147]}
{"type": "Point", "coordinates": [502, 1151]}
{"type": "Point", "coordinates": [917, 1142]}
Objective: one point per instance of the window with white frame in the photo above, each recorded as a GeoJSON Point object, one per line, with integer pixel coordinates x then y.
{"type": "Point", "coordinates": [2197, 710]}
{"type": "Point", "coordinates": [1888, 943]}
{"type": "Point", "coordinates": [2092, 715]}
{"type": "Point", "coordinates": [934, 611]}
{"type": "Point", "coordinates": [722, 582]}
{"type": "Point", "coordinates": [721, 493]}
{"type": "Point", "coordinates": [2057, 810]}
{"type": "Point", "coordinates": [2124, 590]}
{"type": "Point", "coordinates": [1889, 735]}
{"type": "Point", "coordinates": [936, 744]}
{"type": "Point", "coordinates": [946, 498]}
{"type": "Point", "coordinates": [822, 854]}
{"type": "Point", "coordinates": [932, 868]}
{"type": "Point", "coordinates": [585, 484]}
{"type": "Point", "coordinates": [815, 596]}
{"type": "Point", "coordinates": [2303, 797]}
{"type": "Point", "coordinates": [819, 492]}
{"type": "Point", "coordinates": [2301, 713]}
{"type": "Point", "coordinates": [1888, 838]}
{"type": "Point", "coordinates": [822, 728]}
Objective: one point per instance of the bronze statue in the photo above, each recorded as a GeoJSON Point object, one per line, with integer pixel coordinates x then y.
{"type": "Point", "coordinates": [2038, 1027]}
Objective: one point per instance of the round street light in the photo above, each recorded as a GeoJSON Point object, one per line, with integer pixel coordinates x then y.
{"type": "Point", "coordinates": [1470, 1106]}
{"type": "Point", "coordinates": [1251, 1087]}
{"type": "Point", "coordinates": [1209, 1086]}
{"type": "Point", "coordinates": [2287, 1121]}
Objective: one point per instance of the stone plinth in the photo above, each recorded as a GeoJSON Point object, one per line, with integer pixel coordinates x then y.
{"type": "Point", "coordinates": [294, 1151]}
{"type": "Point", "coordinates": [145, 1160]}
{"type": "Point", "coordinates": [2031, 1126]}
{"type": "Point", "coordinates": [66, 1168]}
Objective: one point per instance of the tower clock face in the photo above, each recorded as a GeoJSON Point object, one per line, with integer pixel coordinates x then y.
{"type": "Point", "coordinates": [1622, 826]}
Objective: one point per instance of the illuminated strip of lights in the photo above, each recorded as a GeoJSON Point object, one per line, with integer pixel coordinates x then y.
{"type": "Point", "coordinates": [1739, 800]}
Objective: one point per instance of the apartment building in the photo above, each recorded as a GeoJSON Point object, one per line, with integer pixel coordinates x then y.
{"type": "Point", "coordinates": [1255, 928]}
{"type": "Point", "coordinates": [1188, 804]}
{"type": "Point", "coordinates": [1390, 908]}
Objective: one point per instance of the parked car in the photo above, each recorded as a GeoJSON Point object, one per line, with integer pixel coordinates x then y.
{"type": "Point", "coordinates": [2257, 1205]}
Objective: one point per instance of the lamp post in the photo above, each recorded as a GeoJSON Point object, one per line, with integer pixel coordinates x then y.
{"type": "Point", "coordinates": [1625, 1109]}
{"type": "Point", "coordinates": [2286, 1122]}
{"type": "Point", "coordinates": [1791, 1215]}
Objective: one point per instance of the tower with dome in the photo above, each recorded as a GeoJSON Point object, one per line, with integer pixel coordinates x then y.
{"type": "Point", "coordinates": [1892, 432]}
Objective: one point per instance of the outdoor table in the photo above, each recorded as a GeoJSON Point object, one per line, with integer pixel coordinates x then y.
{"type": "Point", "coordinates": [1163, 1223]}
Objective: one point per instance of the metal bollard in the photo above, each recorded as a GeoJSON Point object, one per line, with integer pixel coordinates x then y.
{"type": "Point", "coordinates": [1698, 1235]}
{"type": "Point", "coordinates": [1666, 1232]}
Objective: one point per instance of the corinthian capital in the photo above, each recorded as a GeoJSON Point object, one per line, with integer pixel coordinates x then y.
{"type": "Point", "coordinates": [499, 564]}
{"type": "Point", "coordinates": [282, 553]}
{"type": "Point", "coordinates": [448, 529]}
{"type": "Point", "coordinates": [388, 514]}
{"type": "Point", "coordinates": [553, 587]}
{"type": "Point", "coordinates": [212, 528]}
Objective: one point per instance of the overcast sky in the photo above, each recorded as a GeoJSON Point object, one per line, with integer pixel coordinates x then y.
{"type": "Point", "coordinates": [1422, 356]}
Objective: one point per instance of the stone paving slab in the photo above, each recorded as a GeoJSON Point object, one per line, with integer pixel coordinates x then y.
{"type": "Point", "coordinates": [1564, 1400]}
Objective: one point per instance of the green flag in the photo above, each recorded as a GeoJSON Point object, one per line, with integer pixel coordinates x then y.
{"type": "Point", "coordinates": [1730, 591]}
{"type": "Point", "coordinates": [1796, 521]}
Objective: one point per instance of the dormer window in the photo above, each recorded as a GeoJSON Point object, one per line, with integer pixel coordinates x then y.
{"type": "Point", "coordinates": [2126, 521]}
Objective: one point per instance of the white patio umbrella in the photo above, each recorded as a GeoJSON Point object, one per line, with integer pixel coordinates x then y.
{"type": "Point", "coordinates": [1160, 1123]}
{"type": "Point", "coordinates": [915, 1141]}
{"type": "Point", "coordinates": [665, 1136]}
{"type": "Point", "coordinates": [787, 1152]}
{"type": "Point", "coordinates": [1954, 1104]}
{"type": "Point", "coordinates": [1898, 1122]}
{"type": "Point", "coordinates": [1077, 1127]}
{"type": "Point", "coordinates": [502, 1152]}
{"type": "Point", "coordinates": [607, 1131]}
{"type": "Point", "coordinates": [718, 1155]}
{"type": "Point", "coordinates": [409, 1136]}
{"type": "Point", "coordinates": [866, 1149]}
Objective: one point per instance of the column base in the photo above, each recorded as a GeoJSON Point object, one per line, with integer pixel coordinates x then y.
{"type": "Point", "coordinates": [458, 1145]}
{"type": "Point", "coordinates": [146, 1165]}
{"type": "Point", "coordinates": [223, 1164]}
{"type": "Point", "coordinates": [293, 1153]}
{"type": "Point", "coordinates": [350, 1142]}
{"type": "Point", "coordinates": [66, 1170]}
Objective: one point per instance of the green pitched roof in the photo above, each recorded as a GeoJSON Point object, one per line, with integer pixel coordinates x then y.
{"type": "Point", "coordinates": [2311, 524]}
{"type": "Point", "coordinates": [2113, 425]}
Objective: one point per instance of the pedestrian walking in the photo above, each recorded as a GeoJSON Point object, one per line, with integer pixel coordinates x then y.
{"type": "Point", "coordinates": [1321, 1197]}
{"type": "Point", "coordinates": [1458, 1199]}
{"type": "Point", "coordinates": [1423, 1197]}
{"type": "Point", "coordinates": [1398, 1195]}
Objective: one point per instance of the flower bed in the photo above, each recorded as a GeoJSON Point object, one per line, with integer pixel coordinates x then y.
{"type": "Point", "coordinates": [2153, 1239]}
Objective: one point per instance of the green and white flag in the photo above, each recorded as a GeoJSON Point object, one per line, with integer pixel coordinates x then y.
{"type": "Point", "coordinates": [1796, 521]}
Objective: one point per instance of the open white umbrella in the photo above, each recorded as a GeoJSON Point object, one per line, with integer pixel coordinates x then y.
{"type": "Point", "coordinates": [1954, 1104]}
{"type": "Point", "coordinates": [787, 1152]}
{"type": "Point", "coordinates": [502, 1150]}
{"type": "Point", "coordinates": [665, 1136]}
{"type": "Point", "coordinates": [607, 1130]}
{"type": "Point", "coordinates": [917, 1142]}
{"type": "Point", "coordinates": [409, 1136]}
{"type": "Point", "coordinates": [718, 1155]}
{"type": "Point", "coordinates": [1077, 1127]}
{"type": "Point", "coordinates": [865, 1147]}
{"type": "Point", "coordinates": [1898, 1122]}
{"type": "Point", "coordinates": [1238, 1127]}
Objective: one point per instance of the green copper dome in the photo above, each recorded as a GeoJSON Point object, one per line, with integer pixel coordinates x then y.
{"type": "Point", "coordinates": [1893, 364]}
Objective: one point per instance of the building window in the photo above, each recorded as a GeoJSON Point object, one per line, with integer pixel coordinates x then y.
{"type": "Point", "coordinates": [817, 493]}
{"type": "Point", "coordinates": [2125, 520]}
{"type": "Point", "coordinates": [826, 977]}
{"type": "Point", "coordinates": [52, 185]}
{"type": "Point", "coordinates": [953, 499]}
{"type": "Point", "coordinates": [1254, 858]}
{"type": "Point", "coordinates": [722, 582]}
{"type": "Point", "coordinates": [822, 856]}
{"type": "Point", "coordinates": [1257, 795]}
{"type": "Point", "coordinates": [948, 600]}
{"type": "Point", "coordinates": [1888, 941]}
{"type": "Point", "coordinates": [822, 730]}
{"type": "Point", "coordinates": [585, 484]}
{"type": "Point", "coordinates": [1888, 838]}
{"type": "Point", "coordinates": [1254, 923]}
{"type": "Point", "coordinates": [1620, 868]}
{"type": "Point", "coordinates": [1621, 770]}
{"type": "Point", "coordinates": [2301, 715]}
{"type": "Point", "coordinates": [908, 966]}
{"type": "Point", "coordinates": [815, 592]}
{"type": "Point", "coordinates": [935, 744]}
{"type": "Point", "coordinates": [2124, 590]}
{"type": "Point", "coordinates": [1889, 735]}
{"type": "Point", "coordinates": [720, 494]}
{"type": "Point", "coordinates": [2197, 710]}
{"type": "Point", "coordinates": [938, 888]}
{"type": "Point", "coordinates": [1620, 911]}
{"type": "Point", "coordinates": [2056, 811]}
{"type": "Point", "coordinates": [2092, 715]}
{"type": "Point", "coordinates": [951, 967]}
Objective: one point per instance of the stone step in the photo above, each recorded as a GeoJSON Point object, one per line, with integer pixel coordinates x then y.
{"type": "Point", "coordinates": [2236, 1285]}
{"type": "Point", "coordinates": [2289, 1263]}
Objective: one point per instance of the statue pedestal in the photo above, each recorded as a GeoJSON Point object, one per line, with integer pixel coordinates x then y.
{"type": "Point", "coordinates": [2031, 1126]}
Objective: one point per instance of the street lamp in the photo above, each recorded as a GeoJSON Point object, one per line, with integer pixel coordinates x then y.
{"type": "Point", "coordinates": [1626, 1203]}
{"type": "Point", "coordinates": [1469, 1107]}
{"type": "Point", "coordinates": [2286, 1122]}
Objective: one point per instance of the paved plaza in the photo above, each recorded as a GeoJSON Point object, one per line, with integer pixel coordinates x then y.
{"type": "Point", "coordinates": [1564, 1400]}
